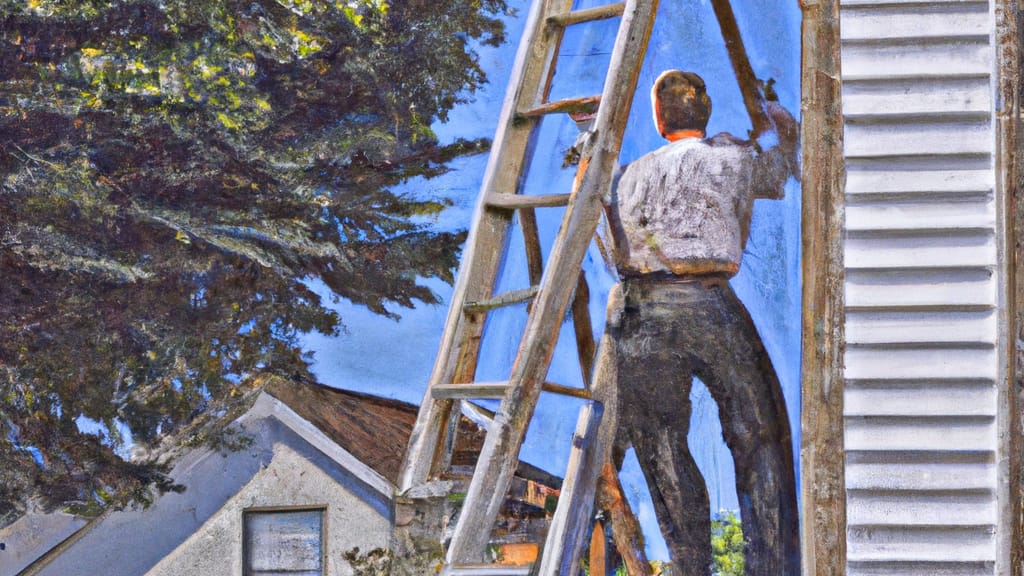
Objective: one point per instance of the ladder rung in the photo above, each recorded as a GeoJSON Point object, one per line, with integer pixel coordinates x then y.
{"type": "Point", "coordinates": [520, 201]}
{"type": "Point", "coordinates": [471, 390]}
{"type": "Point", "coordinates": [497, 390]}
{"type": "Point", "coordinates": [504, 299]}
{"type": "Point", "coordinates": [486, 570]}
{"type": "Point", "coordinates": [479, 416]}
{"type": "Point", "coordinates": [565, 390]}
{"type": "Point", "coordinates": [588, 15]}
{"type": "Point", "coordinates": [582, 105]}
{"type": "Point", "coordinates": [432, 489]}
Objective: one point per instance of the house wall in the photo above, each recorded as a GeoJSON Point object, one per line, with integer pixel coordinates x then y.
{"type": "Point", "coordinates": [31, 536]}
{"type": "Point", "coordinates": [290, 480]}
{"type": "Point", "coordinates": [925, 361]}
{"type": "Point", "coordinates": [288, 463]}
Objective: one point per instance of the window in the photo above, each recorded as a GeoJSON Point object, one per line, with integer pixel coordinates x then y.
{"type": "Point", "coordinates": [283, 542]}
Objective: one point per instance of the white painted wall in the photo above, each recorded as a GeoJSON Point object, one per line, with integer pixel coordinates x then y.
{"type": "Point", "coordinates": [923, 270]}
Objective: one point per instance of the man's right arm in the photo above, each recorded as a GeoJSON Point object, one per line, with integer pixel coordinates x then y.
{"type": "Point", "coordinates": [779, 154]}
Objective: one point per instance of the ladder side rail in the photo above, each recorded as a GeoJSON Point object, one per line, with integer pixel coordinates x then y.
{"type": "Point", "coordinates": [626, 533]}
{"type": "Point", "coordinates": [598, 550]}
{"type": "Point", "coordinates": [479, 262]}
{"type": "Point", "coordinates": [531, 242]}
{"type": "Point", "coordinates": [571, 522]}
{"type": "Point", "coordinates": [494, 470]}
{"type": "Point", "coordinates": [586, 348]}
{"type": "Point", "coordinates": [513, 163]}
{"type": "Point", "coordinates": [753, 100]}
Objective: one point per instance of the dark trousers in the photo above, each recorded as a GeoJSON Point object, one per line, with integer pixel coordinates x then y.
{"type": "Point", "coordinates": [660, 335]}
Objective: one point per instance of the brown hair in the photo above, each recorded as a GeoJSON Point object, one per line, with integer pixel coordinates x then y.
{"type": "Point", "coordinates": [681, 102]}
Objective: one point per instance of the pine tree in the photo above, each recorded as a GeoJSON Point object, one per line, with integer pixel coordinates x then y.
{"type": "Point", "coordinates": [175, 175]}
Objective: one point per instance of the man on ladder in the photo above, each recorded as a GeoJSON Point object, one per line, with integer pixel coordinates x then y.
{"type": "Point", "coordinates": [678, 220]}
{"type": "Point", "coordinates": [757, 428]}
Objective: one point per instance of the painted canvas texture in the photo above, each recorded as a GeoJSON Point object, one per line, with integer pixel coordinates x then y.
{"type": "Point", "coordinates": [138, 143]}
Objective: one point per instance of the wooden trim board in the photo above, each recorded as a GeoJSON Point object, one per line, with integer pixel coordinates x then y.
{"type": "Point", "coordinates": [823, 538]}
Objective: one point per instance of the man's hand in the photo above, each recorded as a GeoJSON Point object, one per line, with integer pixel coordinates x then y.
{"type": "Point", "coordinates": [785, 125]}
{"type": "Point", "coordinates": [788, 132]}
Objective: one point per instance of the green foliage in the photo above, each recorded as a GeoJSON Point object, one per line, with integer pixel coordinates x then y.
{"type": "Point", "coordinates": [174, 176]}
{"type": "Point", "coordinates": [727, 545]}
{"type": "Point", "coordinates": [381, 562]}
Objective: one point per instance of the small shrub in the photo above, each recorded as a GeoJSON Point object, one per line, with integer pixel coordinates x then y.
{"type": "Point", "coordinates": [727, 545]}
{"type": "Point", "coordinates": [381, 562]}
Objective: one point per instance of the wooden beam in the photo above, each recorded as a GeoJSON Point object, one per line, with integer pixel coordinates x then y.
{"type": "Point", "coordinates": [823, 485]}
{"type": "Point", "coordinates": [486, 570]}
{"type": "Point", "coordinates": [531, 243]}
{"type": "Point", "coordinates": [571, 523]}
{"type": "Point", "coordinates": [582, 105]}
{"type": "Point", "coordinates": [498, 389]}
{"type": "Point", "coordinates": [586, 348]}
{"type": "Point", "coordinates": [588, 15]}
{"type": "Point", "coordinates": [553, 388]}
{"type": "Point", "coordinates": [1010, 148]}
{"type": "Point", "coordinates": [520, 201]}
{"type": "Point", "coordinates": [501, 300]}
{"type": "Point", "coordinates": [470, 390]}
{"type": "Point", "coordinates": [626, 532]}
{"type": "Point", "coordinates": [752, 97]}
{"type": "Point", "coordinates": [598, 553]}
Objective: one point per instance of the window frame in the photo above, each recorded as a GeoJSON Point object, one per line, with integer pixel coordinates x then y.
{"type": "Point", "coordinates": [321, 508]}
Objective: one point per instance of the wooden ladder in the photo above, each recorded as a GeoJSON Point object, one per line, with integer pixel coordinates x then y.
{"type": "Point", "coordinates": [552, 288]}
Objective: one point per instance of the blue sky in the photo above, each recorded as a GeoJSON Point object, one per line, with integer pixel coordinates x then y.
{"type": "Point", "coordinates": [394, 359]}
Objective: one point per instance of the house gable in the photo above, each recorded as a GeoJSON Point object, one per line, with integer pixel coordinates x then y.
{"type": "Point", "coordinates": [289, 482]}
{"type": "Point", "coordinates": [289, 463]}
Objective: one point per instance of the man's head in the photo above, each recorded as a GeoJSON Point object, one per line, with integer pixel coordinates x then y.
{"type": "Point", "coordinates": [681, 103]}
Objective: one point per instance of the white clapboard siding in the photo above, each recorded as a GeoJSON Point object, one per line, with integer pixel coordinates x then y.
{"type": "Point", "coordinates": [895, 3]}
{"type": "Point", "coordinates": [920, 289]}
{"type": "Point", "coordinates": [964, 97]}
{"type": "Point", "coordinates": [890, 477]}
{"type": "Point", "coordinates": [867, 182]}
{"type": "Point", "coordinates": [916, 400]}
{"type": "Point", "coordinates": [902, 364]}
{"type": "Point", "coordinates": [922, 277]}
{"type": "Point", "coordinates": [903, 138]}
{"type": "Point", "coordinates": [922, 545]}
{"type": "Point", "coordinates": [942, 22]}
{"type": "Point", "coordinates": [921, 509]}
{"type": "Point", "coordinates": [936, 434]}
{"type": "Point", "coordinates": [873, 61]}
{"type": "Point", "coordinates": [938, 250]}
{"type": "Point", "coordinates": [920, 568]}
{"type": "Point", "coordinates": [978, 214]}
{"type": "Point", "coordinates": [914, 328]}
